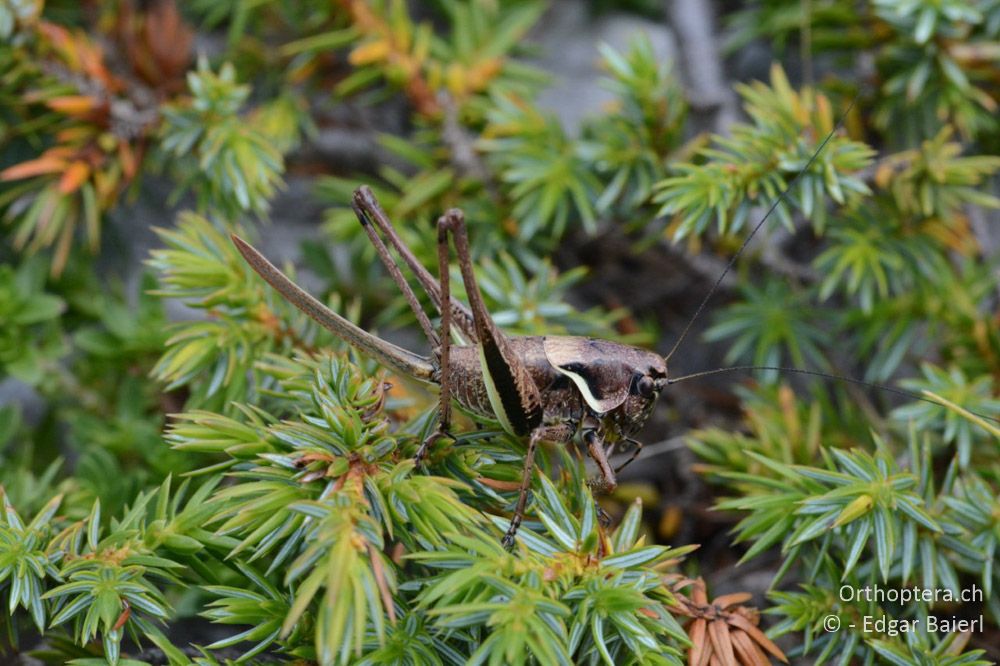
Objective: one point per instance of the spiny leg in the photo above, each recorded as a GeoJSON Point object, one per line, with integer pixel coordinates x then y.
{"type": "Point", "coordinates": [365, 199]}
{"type": "Point", "coordinates": [386, 353]}
{"type": "Point", "coordinates": [444, 350]}
{"type": "Point", "coordinates": [522, 497]}
{"type": "Point", "coordinates": [397, 275]}
{"type": "Point", "coordinates": [558, 434]}
{"type": "Point", "coordinates": [595, 447]}
{"type": "Point", "coordinates": [514, 397]}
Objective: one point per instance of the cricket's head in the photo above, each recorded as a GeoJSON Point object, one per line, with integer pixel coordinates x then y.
{"type": "Point", "coordinates": [649, 376]}
{"type": "Point", "coordinates": [617, 382]}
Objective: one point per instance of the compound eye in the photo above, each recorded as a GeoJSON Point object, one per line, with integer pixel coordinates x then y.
{"type": "Point", "coordinates": [645, 387]}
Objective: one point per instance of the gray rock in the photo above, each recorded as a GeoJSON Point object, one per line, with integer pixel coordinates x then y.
{"type": "Point", "coordinates": [568, 37]}
{"type": "Point", "coordinates": [32, 406]}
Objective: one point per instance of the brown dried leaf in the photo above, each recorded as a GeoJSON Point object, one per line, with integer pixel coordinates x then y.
{"type": "Point", "coordinates": [36, 167]}
{"type": "Point", "coordinates": [722, 645]}
{"type": "Point", "coordinates": [74, 105]}
{"type": "Point", "coordinates": [698, 594]}
{"type": "Point", "coordinates": [76, 174]}
{"type": "Point", "coordinates": [61, 254]}
{"type": "Point", "coordinates": [129, 162]}
{"type": "Point", "coordinates": [169, 39]}
{"type": "Point", "coordinates": [700, 647]}
{"type": "Point", "coordinates": [383, 586]}
{"type": "Point", "coordinates": [648, 612]}
{"type": "Point", "coordinates": [729, 600]}
{"type": "Point", "coordinates": [496, 484]}
{"type": "Point", "coordinates": [124, 616]}
{"type": "Point", "coordinates": [56, 34]}
{"type": "Point", "coordinates": [747, 651]}
{"type": "Point", "coordinates": [741, 622]}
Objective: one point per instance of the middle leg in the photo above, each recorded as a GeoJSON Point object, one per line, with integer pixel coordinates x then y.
{"type": "Point", "coordinates": [554, 433]}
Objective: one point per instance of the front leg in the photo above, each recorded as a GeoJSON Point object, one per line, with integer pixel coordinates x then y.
{"type": "Point", "coordinates": [637, 449]}
{"type": "Point", "coordinates": [607, 481]}
{"type": "Point", "coordinates": [595, 447]}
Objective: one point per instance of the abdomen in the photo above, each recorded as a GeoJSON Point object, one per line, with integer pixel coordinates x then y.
{"type": "Point", "coordinates": [561, 402]}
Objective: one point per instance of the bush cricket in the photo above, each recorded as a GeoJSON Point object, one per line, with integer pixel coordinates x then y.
{"type": "Point", "coordinates": [543, 388]}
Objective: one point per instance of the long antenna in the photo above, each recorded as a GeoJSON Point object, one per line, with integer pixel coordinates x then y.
{"type": "Point", "coordinates": [824, 375]}
{"type": "Point", "coordinates": [746, 241]}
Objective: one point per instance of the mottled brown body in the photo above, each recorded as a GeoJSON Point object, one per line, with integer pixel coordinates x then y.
{"type": "Point", "coordinates": [610, 374]}
{"type": "Point", "coordinates": [561, 402]}
{"type": "Point", "coordinates": [543, 388]}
